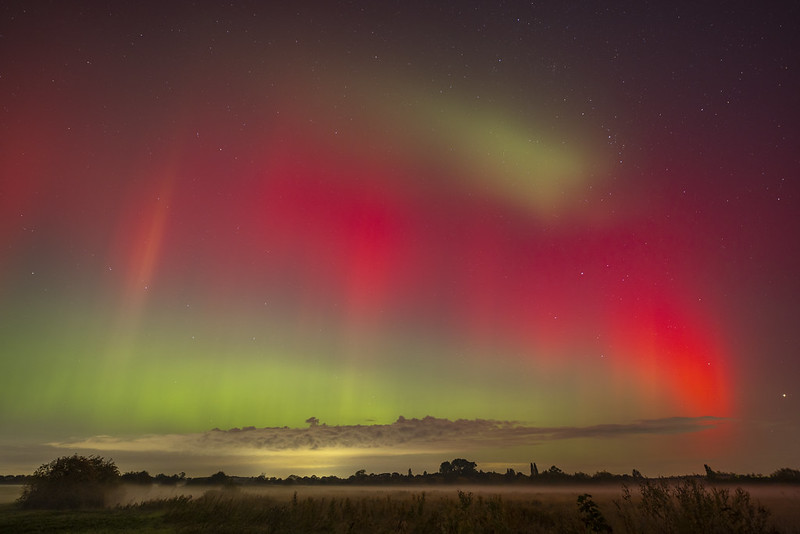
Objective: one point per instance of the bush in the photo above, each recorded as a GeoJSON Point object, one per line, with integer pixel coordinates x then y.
{"type": "Point", "coordinates": [70, 482]}
{"type": "Point", "coordinates": [591, 516]}
{"type": "Point", "coordinates": [786, 475]}
{"type": "Point", "coordinates": [689, 507]}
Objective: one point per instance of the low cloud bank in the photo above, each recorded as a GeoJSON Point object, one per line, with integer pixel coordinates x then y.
{"type": "Point", "coordinates": [428, 434]}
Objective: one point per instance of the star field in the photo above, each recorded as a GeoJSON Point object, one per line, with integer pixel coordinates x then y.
{"type": "Point", "coordinates": [247, 215]}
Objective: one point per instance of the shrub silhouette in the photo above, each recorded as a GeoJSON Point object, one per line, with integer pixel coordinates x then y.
{"type": "Point", "coordinates": [689, 507]}
{"type": "Point", "coordinates": [591, 516]}
{"type": "Point", "coordinates": [70, 482]}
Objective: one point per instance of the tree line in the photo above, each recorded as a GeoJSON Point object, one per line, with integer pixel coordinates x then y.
{"type": "Point", "coordinates": [458, 470]}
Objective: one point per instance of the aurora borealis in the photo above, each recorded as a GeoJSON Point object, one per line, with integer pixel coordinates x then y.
{"type": "Point", "coordinates": [516, 232]}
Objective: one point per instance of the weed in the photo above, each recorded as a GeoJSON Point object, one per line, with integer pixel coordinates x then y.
{"type": "Point", "coordinates": [591, 516]}
{"type": "Point", "coordinates": [689, 507]}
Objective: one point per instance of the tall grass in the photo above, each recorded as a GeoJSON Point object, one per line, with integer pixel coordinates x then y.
{"type": "Point", "coordinates": [688, 507]}
{"type": "Point", "coordinates": [222, 511]}
{"type": "Point", "coordinates": [660, 507]}
{"type": "Point", "coordinates": [657, 507]}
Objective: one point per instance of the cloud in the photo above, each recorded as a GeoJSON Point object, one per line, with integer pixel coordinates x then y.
{"type": "Point", "coordinates": [428, 434]}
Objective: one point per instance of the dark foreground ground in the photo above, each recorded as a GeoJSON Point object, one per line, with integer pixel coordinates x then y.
{"type": "Point", "coordinates": [304, 509]}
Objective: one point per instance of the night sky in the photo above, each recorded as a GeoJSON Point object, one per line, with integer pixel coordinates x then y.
{"type": "Point", "coordinates": [505, 231]}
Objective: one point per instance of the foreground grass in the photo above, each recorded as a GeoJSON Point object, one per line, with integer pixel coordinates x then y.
{"type": "Point", "coordinates": [229, 512]}
{"type": "Point", "coordinates": [221, 512]}
{"type": "Point", "coordinates": [12, 519]}
{"type": "Point", "coordinates": [656, 507]}
{"type": "Point", "coordinates": [225, 511]}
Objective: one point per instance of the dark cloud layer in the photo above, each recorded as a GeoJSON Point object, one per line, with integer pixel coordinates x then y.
{"type": "Point", "coordinates": [429, 433]}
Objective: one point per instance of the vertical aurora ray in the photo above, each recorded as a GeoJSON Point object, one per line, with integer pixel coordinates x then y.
{"type": "Point", "coordinates": [137, 248]}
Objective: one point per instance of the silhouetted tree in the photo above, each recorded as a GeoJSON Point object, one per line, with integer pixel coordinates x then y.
{"type": "Point", "coordinates": [534, 469]}
{"type": "Point", "coordinates": [169, 480]}
{"type": "Point", "coordinates": [218, 478]}
{"type": "Point", "coordinates": [555, 470]}
{"type": "Point", "coordinates": [786, 475]}
{"type": "Point", "coordinates": [603, 475]}
{"type": "Point", "coordinates": [446, 468]}
{"type": "Point", "coordinates": [463, 467]}
{"type": "Point", "coordinates": [710, 474]}
{"type": "Point", "coordinates": [70, 482]}
{"type": "Point", "coordinates": [140, 477]}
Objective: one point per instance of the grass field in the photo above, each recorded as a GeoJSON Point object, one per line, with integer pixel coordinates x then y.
{"type": "Point", "coordinates": [419, 509]}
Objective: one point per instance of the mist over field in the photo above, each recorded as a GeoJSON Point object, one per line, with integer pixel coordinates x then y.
{"type": "Point", "coordinates": [129, 494]}
{"type": "Point", "coordinates": [458, 496]}
{"type": "Point", "coordinates": [782, 496]}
